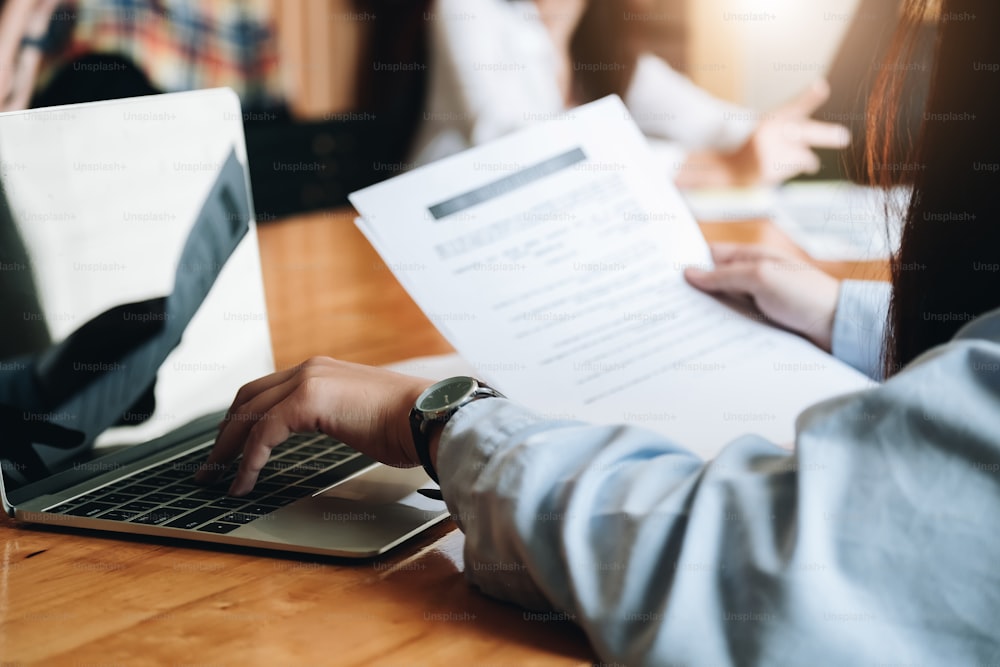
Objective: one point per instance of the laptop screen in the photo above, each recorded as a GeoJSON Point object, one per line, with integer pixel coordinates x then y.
{"type": "Point", "coordinates": [131, 298]}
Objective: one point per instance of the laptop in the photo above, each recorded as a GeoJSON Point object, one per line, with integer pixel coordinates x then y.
{"type": "Point", "coordinates": [132, 309]}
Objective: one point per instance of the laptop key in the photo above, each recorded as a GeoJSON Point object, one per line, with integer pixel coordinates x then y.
{"type": "Point", "coordinates": [208, 494]}
{"type": "Point", "coordinates": [159, 483]}
{"type": "Point", "coordinates": [284, 480]}
{"type": "Point", "coordinates": [118, 515]}
{"type": "Point", "coordinates": [197, 517]}
{"type": "Point", "coordinates": [240, 517]}
{"type": "Point", "coordinates": [117, 498]}
{"type": "Point", "coordinates": [258, 509]}
{"type": "Point", "coordinates": [229, 503]}
{"type": "Point", "coordinates": [118, 486]}
{"type": "Point", "coordinates": [138, 506]}
{"type": "Point", "coordinates": [90, 509]}
{"type": "Point", "coordinates": [140, 489]}
{"type": "Point", "coordinates": [220, 528]}
{"type": "Point", "coordinates": [158, 516]}
{"type": "Point", "coordinates": [339, 473]}
{"type": "Point", "coordinates": [159, 498]}
{"type": "Point", "coordinates": [61, 509]}
{"type": "Point", "coordinates": [182, 488]}
{"type": "Point", "coordinates": [187, 503]}
{"type": "Point", "coordinates": [267, 487]}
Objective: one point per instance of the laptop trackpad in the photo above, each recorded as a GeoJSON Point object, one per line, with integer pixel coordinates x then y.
{"type": "Point", "coordinates": [359, 517]}
{"type": "Point", "coordinates": [380, 485]}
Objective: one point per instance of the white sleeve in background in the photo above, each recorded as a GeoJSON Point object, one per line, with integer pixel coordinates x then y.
{"type": "Point", "coordinates": [667, 105]}
{"type": "Point", "coordinates": [492, 71]}
{"type": "Point", "coordinates": [859, 325]}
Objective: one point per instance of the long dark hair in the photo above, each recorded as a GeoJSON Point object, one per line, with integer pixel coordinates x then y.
{"type": "Point", "coordinates": [947, 269]}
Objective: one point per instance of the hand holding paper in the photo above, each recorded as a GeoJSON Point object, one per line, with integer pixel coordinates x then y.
{"type": "Point", "coordinates": [552, 260]}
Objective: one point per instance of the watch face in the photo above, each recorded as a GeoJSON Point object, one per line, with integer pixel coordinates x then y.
{"type": "Point", "coordinates": [446, 393]}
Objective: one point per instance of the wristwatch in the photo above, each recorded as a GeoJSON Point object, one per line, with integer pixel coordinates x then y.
{"type": "Point", "coordinates": [437, 404]}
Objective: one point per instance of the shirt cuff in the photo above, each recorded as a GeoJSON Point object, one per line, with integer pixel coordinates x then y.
{"type": "Point", "coordinates": [481, 495]}
{"type": "Point", "coordinates": [471, 438]}
{"type": "Point", "coordinates": [859, 325]}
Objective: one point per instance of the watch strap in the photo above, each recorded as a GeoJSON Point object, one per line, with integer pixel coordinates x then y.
{"type": "Point", "coordinates": [422, 442]}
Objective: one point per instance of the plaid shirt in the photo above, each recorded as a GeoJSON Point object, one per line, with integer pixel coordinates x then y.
{"type": "Point", "coordinates": [180, 44]}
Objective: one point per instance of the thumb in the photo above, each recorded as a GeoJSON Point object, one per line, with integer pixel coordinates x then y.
{"type": "Point", "coordinates": [738, 278]}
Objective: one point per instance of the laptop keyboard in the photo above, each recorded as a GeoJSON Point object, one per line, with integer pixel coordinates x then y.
{"type": "Point", "coordinates": [166, 495]}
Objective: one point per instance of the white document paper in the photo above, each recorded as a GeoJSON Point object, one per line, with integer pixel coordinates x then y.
{"type": "Point", "coordinates": [552, 260]}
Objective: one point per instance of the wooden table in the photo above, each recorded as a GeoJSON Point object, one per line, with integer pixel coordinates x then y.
{"type": "Point", "coordinates": [83, 599]}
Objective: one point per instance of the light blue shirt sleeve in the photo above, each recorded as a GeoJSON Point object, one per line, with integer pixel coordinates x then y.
{"type": "Point", "coordinates": [874, 542]}
{"type": "Point", "coordinates": [859, 325]}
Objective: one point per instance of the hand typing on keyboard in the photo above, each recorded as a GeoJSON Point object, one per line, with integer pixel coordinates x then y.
{"type": "Point", "coordinates": [364, 407]}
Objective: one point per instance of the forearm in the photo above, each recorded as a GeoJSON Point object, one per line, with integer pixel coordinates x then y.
{"type": "Point", "coordinates": [666, 104]}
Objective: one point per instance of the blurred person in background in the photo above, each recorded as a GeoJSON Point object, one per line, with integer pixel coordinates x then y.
{"type": "Point", "coordinates": [121, 48]}
{"type": "Point", "coordinates": [498, 65]}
